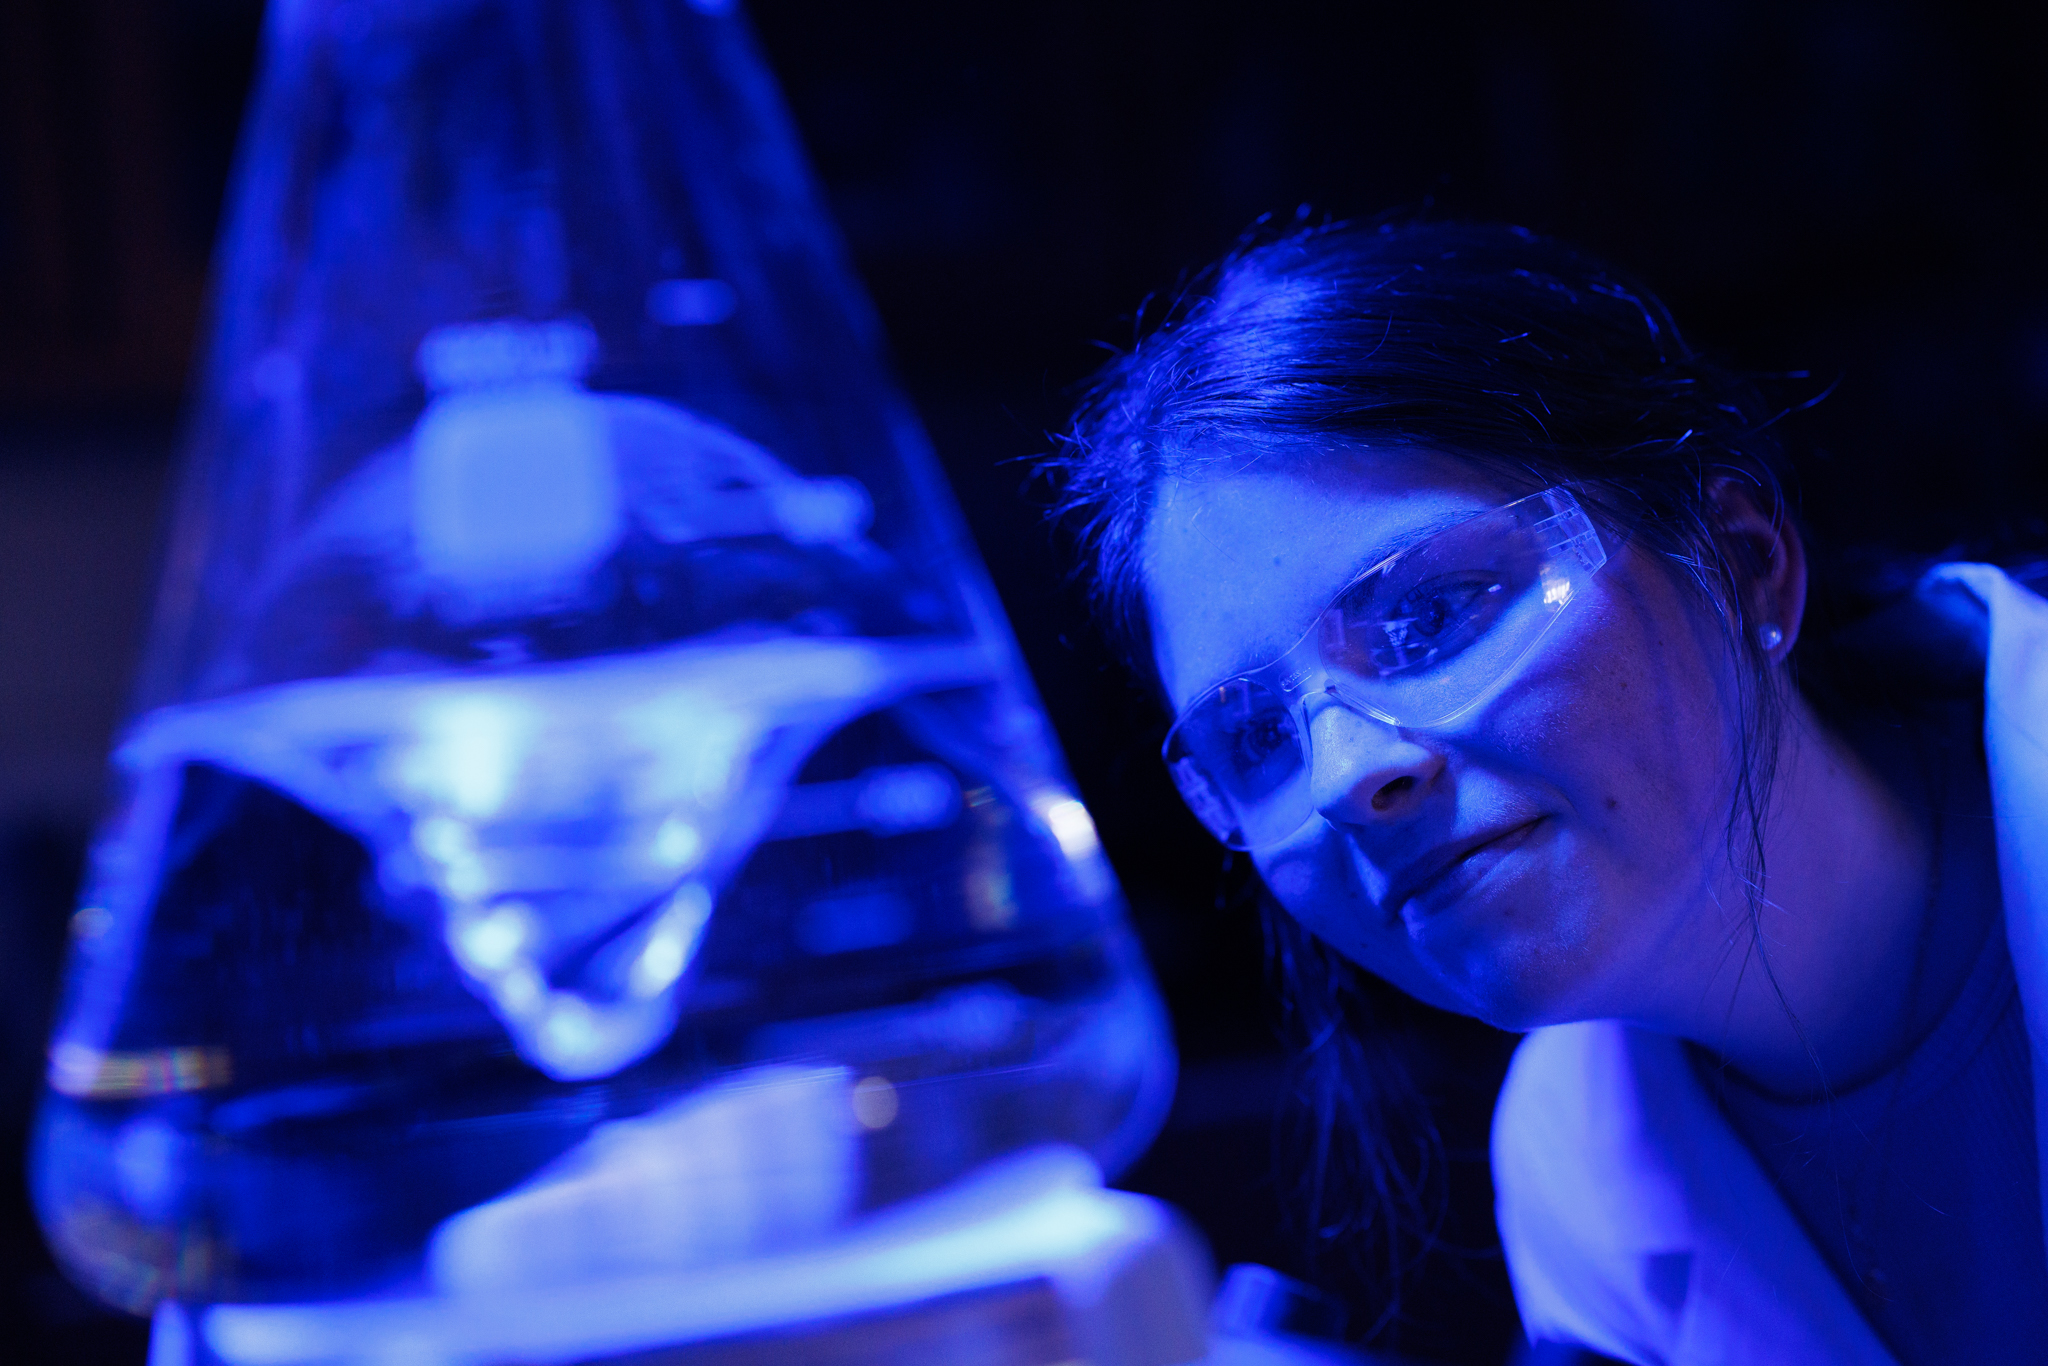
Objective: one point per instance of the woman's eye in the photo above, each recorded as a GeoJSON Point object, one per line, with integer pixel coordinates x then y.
{"type": "Point", "coordinates": [1258, 738]}
{"type": "Point", "coordinates": [1432, 611]}
{"type": "Point", "coordinates": [1435, 620]}
{"type": "Point", "coordinates": [1250, 744]}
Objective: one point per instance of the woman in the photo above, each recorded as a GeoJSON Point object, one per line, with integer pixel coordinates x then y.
{"type": "Point", "coordinates": [1475, 596]}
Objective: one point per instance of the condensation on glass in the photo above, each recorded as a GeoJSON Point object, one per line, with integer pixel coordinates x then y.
{"type": "Point", "coordinates": [584, 812]}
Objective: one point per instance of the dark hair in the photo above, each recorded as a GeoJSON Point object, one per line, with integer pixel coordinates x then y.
{"type": "Point", "coordinates": [1517, 352]}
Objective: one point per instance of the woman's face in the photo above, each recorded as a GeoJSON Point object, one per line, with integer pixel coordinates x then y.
{"type": "Point", "coordinates": [1546, 858]}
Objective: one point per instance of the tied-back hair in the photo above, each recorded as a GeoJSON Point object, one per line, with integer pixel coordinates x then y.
{"type": "Point", "coordinates": [1535, 361]}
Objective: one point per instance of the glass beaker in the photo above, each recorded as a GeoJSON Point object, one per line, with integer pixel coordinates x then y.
{"type": "Point", "coordinates": [584, 811]}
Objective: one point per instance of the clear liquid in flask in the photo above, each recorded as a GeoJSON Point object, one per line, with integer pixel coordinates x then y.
{"type": "Point", "coordinates": [645, 872]}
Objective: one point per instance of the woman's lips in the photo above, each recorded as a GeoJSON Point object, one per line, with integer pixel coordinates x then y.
{"type": "Point", "coordinates": [1442, 885]}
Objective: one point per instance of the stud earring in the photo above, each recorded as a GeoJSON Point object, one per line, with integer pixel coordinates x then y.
{"type": "Point", "coordinates": [1770, 636]}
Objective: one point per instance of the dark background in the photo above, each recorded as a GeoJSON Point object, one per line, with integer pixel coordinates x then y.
{"type": "Point", "coordinates": [1851, 189]}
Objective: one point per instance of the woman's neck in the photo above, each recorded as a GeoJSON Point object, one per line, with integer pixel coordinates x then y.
{"type": "Point", "coordinates": [1848, 965]}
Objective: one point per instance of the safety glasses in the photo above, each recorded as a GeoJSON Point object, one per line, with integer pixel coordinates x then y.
{"type": "Point", "coordinates": [1416, 642]}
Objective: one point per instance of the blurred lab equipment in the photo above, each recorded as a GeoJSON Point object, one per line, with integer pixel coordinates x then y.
{"type": "Point", "coordinates": [584, 816]}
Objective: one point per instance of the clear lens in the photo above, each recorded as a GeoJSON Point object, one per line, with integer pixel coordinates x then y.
{"type": "Point", "coordinates": [1420, 639]}
{"type": "Point", "coordinates": [1416, 642]}
{"type": "Point", "coordinates": [1237, 757]}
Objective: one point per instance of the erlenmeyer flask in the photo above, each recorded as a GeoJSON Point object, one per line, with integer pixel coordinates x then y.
{"type": "Point", "coordinates": [584, 810]}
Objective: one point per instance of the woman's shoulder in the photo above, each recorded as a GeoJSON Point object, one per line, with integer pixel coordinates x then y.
{"type": "Point", "coordinates": [1636, 1223]}
{"type": "Point", "coordinates": [1593, 1220]}
{"type": "Point", "coordinates": [1580, 1130]}
{"type": "Point", "coordinates": [2004, 617]}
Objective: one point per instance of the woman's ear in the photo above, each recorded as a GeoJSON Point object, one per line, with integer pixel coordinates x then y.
{"type": "Point", "coordinates": [1768, 555]}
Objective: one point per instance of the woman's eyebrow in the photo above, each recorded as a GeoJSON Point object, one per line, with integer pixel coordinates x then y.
{"type": "Point", "coordinates": [1408, 540]}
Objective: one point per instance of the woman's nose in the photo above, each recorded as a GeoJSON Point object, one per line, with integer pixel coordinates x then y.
{"type": "Point", "coordinates": [1366, 772]}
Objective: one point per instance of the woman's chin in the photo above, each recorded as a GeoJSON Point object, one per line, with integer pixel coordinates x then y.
{"type": "Point", "coordinates": [1520, 947]}
{"type": "Point", "coordinates": [1514, 969]}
